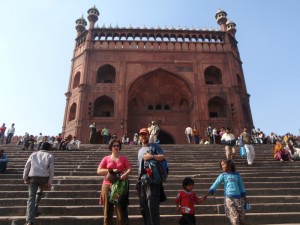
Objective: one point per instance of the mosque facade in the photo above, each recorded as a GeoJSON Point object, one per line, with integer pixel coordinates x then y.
{"type": "Point", "coordinates": [125, 77]}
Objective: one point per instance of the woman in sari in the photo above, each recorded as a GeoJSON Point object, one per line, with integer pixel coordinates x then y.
{"type": "Point", "coordinates": [280, 153]}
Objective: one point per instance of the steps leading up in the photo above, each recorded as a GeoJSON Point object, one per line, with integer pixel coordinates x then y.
{"type": "Point", "coordinates": [273, 188]}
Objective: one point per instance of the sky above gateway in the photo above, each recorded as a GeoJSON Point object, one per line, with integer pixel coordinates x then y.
{"type": "Point", "coordinates": [37, 41]}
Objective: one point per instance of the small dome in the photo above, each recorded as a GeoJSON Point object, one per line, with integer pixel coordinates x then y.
{"type": "Point", "coordinates": [93, 14]}
{"type": "Point", "coordinates": [80, 24]}
{"type": "Point", "coordinates": [81, 21]}
{"type": "Point", "coordinates": [231, 27]}
{"type": "Point", "coordinates": [93, 10]}
{"type": "Point", "coordinates": [220, 13]}
{"type": "Point", "coordinates": [230, 22]}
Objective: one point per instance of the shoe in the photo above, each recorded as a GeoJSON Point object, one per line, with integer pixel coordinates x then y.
{"type": "Point", "coordinates": [292, 160]}
{"type": "Point", "coordinates": [281, 160]}
{"type": "Point", "coordinates": [38, 214]}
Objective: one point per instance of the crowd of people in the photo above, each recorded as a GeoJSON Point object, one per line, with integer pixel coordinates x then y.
{"type": "Point", "coordinates": [115, 168]}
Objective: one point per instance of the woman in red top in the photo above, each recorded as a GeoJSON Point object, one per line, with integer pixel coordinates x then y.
{"type": "Point", "coordinates": [118, 164]}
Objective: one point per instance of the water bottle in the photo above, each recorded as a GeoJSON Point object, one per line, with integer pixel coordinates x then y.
{"type": "Point", "coordinates": [247, 206]}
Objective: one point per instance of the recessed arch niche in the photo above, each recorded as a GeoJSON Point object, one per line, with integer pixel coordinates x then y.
{"type": "Point", "coordinates": [148, 96]}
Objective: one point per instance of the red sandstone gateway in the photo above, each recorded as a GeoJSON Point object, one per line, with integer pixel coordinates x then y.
{"type": "Point", "coordinates": [124, 78]}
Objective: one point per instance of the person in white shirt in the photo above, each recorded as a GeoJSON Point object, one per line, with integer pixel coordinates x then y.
{"type": "Point", "coordinates": [229, 140]}
{"type": "Point", "coordinates": [188, 132]}
{"type": "Point", "coordinates": [154, 131]}
{"type": "Point", "coordinates": [214, 135]}
{"type": "Point", "coordinates": [38, 174]}
{"type": "Point", "coordinates": [10, 133]}
{"type": "Point", "coordinates": [39, 141]}
{"type": "Point", "coordinates": [74, 144]}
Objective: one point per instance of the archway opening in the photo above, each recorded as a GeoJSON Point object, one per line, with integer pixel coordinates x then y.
{"type": "Point", "coordinates": [165, 138]}
{"type": "Point", "coordinates": [160, 96]}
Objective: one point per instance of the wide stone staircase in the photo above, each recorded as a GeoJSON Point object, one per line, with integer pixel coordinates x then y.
{"type": "Point", "coordinates": [273, 188]}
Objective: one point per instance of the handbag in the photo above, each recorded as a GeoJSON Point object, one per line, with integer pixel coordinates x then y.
{"type": "Point", "coordinates": [112, 177]}
{"type": "Point", "coordinates": [118, 191]}
{"type": "Point", "coordinates": [243, 152]}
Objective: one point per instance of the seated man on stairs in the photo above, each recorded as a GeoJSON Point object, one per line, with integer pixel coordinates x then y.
{"type": "Point", "coordinates": [74, 144]}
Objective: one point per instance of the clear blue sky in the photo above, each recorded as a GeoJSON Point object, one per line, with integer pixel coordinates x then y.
{"type": "Point", "coordinates": [37, 41]}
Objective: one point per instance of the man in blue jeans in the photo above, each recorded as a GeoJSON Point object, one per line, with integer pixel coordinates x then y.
{"type": "Point", "coordinates": [38, 173]}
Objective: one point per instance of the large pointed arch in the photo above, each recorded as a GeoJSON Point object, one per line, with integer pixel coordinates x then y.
{"type": "Point", "coordinates": [160, 96]}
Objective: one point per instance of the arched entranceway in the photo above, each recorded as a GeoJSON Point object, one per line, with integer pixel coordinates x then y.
{"type": "Point", "coordinates": [163, 97]}
{"type": "Point", "coordinates": [165, 138]}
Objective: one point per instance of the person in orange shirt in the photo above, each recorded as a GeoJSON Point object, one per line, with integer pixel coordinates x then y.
{"type": "Point", "coordinates": [280, 153]}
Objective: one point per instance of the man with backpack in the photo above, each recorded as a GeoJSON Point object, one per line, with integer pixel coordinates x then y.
{"type": "Point", "coordinates": [150, 191]}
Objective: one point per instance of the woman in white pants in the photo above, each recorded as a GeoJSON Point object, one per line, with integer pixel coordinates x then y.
{"type": "Point", "coordinates": [246, 141]}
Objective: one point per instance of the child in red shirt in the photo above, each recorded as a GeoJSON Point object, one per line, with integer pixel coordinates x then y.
{"type": "Point", "coordinates": [186, 200]}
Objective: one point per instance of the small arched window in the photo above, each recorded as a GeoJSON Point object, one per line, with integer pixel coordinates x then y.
{"type": "Point", "coordinates": [76, 80]}
{"type": "Point", "coordinates": [106, 74]}
{"type": "Point", "coordinates": [104, 107]}
{"type": "Point", "coordinates": [158, 107]}
{"type": "Point", "coordinates": [72, 113]}
{"type": "Point", "coordinates": [213, 75]}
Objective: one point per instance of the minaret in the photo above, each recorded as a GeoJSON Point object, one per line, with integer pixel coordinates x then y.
{"type": "Point", "coordinates": [221, 17]}
{"type": "Point", "coordinates": [231, 27]}
{"type": "Point", "coordinates": [93, 14]}
{"type": "Point", "coordinates": [80, 25]}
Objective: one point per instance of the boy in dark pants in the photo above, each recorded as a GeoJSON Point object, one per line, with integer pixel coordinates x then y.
{"type": "Point", "coordinates": [185, 202]}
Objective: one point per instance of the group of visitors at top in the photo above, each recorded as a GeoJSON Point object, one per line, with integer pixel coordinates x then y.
{"type": "Point", "coordinates": [213, 136]}
{"type": "Point", "coordinates": [153, 130]}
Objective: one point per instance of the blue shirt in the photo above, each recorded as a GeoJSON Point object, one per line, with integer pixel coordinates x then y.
{"type": "Point", "coordinates": [155, 148]}
{"type": "Point", "coordinates": [233, 185]}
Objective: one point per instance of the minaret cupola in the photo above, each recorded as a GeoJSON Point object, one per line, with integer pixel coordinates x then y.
{"type": "Point", "coordinates": [221, 17]}
{"type": "Point", "coordinates": [231, 27]}
{"type": "Point", "coordinates": [93, 14]}
{"type": "Point", "coordinates": [80, 25]}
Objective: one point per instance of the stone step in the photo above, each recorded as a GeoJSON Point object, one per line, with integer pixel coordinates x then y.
{"type": "Point", "coordinates": [211, 219]}
{"type": "Point", "coordinates": [96, 193]}
{"type": "Point", "coordinates": [175, 185]}
{"type": "Point", "coordinates": [94, 210]}
{"type": "Point", "coordinates": [253, 199]}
